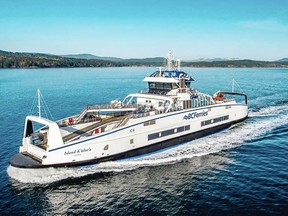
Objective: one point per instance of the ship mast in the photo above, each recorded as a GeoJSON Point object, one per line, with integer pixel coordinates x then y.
{"type": "Point", "coordinates": [169, 60]}
{"type": "Point", "coordinates": [178, 64]}
{"type": "Point", "coordinates": [39, 103]}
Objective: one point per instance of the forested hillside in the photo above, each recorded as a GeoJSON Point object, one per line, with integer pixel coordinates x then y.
{"type": "Point", "coordinates": [28, 60]}
{"type": "Point", "coordinates": [38, 60]}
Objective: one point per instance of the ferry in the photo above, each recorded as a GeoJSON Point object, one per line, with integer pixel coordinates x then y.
{"type": "Point", "coordinates": [168, 113]}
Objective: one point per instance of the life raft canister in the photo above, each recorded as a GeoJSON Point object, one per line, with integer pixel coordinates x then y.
{"type": "Point", "coordinates": [219, 96]}
{"type": "Point", "coordinates": [70, 120]}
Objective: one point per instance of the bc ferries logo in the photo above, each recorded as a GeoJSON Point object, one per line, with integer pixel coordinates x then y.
{"type": "Point", "coordinates": [193, 115]}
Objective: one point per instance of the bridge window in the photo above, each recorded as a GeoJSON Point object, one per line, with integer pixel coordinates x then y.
{"type": "Point", "coordinates": [167, 86]}
{"type": "Point", "coordinates": [151, 85]}
{"type": "Point", "coordinates": [161, 86]}
{"type": "Point", "coordinates": [174, 86]}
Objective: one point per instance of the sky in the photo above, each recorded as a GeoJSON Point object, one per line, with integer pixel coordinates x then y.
{"type": "Point", "coordinates": [192, 29]}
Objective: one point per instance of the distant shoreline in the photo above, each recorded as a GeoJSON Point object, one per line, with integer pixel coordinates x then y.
{"type": "Point", "coordinates": [135, 66]}
{"type": "Point", "coordinates": [36, 60]}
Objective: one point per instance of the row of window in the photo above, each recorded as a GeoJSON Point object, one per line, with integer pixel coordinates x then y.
{"type": "Point", "coordinates": [215, 120]}
{"type": "Point", "coordinates": [162, 86]}
{"type": "Point", "coordinates": [152, 122]}
{"type": "Point", "coordinates": [168, 132]}
{"type": "Point", "coordinates": [201, 101]}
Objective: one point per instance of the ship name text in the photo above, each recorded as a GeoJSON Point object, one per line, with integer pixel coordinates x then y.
{"type": "Point", "coordinates": [77, 151]}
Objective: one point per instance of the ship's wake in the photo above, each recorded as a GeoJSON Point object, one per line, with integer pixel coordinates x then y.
{"type": "Point", "coordinates": [259, 122]}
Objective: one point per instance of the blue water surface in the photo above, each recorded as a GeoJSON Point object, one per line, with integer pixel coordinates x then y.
{"type": "Point", "coordinates": [241, 171]}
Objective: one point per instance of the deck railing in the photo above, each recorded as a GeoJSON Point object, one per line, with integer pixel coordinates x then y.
{"type": "Point", "coordinates": [122, 122]}
{"type": "Point", "coordinates": [110, 106]}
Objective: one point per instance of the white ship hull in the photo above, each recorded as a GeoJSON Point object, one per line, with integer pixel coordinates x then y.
{"type": "Point", "coordinates": [135, 139]}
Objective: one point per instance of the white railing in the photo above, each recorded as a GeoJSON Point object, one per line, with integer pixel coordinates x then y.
{"type": "Point", "coordinates": [111, 106]}
{"type": "Point", "coordinates": [122, 122]}
{"type": "Point", "coordinates": [82, 113]}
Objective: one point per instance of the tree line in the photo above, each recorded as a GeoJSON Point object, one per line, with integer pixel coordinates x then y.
{"type": "Point", "coordinates": [27, 60]}
{"type": "Point", "coordinates": [236, 64]}
{"type": "Point", "coordinates": [31, 60]}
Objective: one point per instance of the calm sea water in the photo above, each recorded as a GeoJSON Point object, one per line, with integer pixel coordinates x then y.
{"type": "Point", "coordinates": [242, 170]}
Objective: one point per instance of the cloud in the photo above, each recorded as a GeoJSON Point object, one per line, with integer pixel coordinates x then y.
{"type": "Point", "coordinates": [265, 25]}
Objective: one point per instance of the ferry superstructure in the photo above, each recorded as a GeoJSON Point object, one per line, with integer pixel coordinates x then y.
{"type": "Point", "coordinates": [170, 112]}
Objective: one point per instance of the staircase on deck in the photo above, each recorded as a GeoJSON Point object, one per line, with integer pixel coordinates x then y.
{"type": "Point", "coordinates": [89, 128]}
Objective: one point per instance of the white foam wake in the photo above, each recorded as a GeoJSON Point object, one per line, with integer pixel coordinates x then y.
{"type": "Point", "coordinates": [227, 139]}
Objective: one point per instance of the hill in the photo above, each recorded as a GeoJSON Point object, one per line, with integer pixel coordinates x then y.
{"type": "Point", "coordinates": [247, 63]}
{"type": "Point", "coordinates": [156, 60]}
{"type": "Point", "coordinates": [213, 59]}
{"type": "Point", "coordinates": [90, 56]}
{"type": "Point", "coordinates": [283, 60]}
{"type": "Point", "coordinates": [28, 60]}
{"type": "Point", "coordinates": [115, 59]}
{"type": "Point", "coordinates": [39, 60]}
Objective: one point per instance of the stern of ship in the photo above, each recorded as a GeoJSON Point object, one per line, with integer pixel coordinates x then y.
{"type": "Point", "coordinates": [34, 151]}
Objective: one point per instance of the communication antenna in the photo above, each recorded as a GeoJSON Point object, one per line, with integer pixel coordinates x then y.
{"type": "Point", "coordinates": [178, 64]}
{"type": "Point", "coordinates": [39, 103]}
{"type": "Point", "coordinates": [169, 60]}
